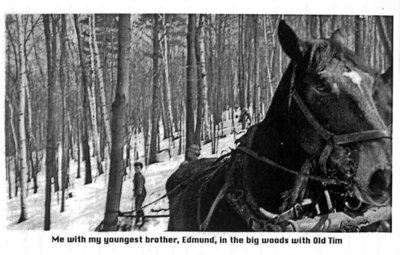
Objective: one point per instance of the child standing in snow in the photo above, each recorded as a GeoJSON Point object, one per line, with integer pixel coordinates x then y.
{"type": "Point", "coordinates": [139, 193]}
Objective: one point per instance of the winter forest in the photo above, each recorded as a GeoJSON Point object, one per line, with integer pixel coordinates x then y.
{"type": "Point", "coordinates": [88, 95]}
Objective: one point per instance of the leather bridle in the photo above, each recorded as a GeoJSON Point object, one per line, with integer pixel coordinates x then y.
{"type": "Point", "coordinates": [331, 139]}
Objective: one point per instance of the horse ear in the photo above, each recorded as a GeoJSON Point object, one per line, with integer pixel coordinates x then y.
{"type": "Point", "coordinates": [291, 44]}
{"type": "Point", "coordinates": [338, 38]}
{"type": "Point", "coordinates": [387, 75]}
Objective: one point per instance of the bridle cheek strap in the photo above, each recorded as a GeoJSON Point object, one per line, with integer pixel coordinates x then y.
{"type": "Point", "coordinates": [355, 137]}
{"type": "Point", "coordinates": [323, 158]}
{"type": "Point", "coordinates": [326, 134]}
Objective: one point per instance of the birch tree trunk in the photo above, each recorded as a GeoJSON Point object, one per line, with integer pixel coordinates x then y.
{"type": "Point", "coordinates": [211, 81]}
{"type": "Point", "coordinates": [31, 141]}
{"type": "Point", "coordinates": [168, 110]}
{"type": "Point", "coordinates": [23, 160]}
{"type": "Point", "coordinates": [15, 142]}
{"type": "Point", "coordinates": [85, 107]}
{"type": "Point", "coordinates": [267, 64]}
{"type": "Point", "coordinates": [92, 97]}
{"type": "Point", "coordinates": [103, 101]}
{"type": "Point", "coordinates": [257, 89]}
{"type": "Point", "coordinates": [119, 123]}
{"type": "Point", "coordinates": [203, 73]}
{"type": "Point", "coordinates": [202, 90]}
{"type": "Point", "coordinates": [28, 128]}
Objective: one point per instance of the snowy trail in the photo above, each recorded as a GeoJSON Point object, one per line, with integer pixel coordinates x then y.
{"type": "Point", "coordinates": [85, 209]}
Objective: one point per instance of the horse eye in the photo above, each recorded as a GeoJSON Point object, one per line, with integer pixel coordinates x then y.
{"type": "Point", "coordinates": [323, 86]}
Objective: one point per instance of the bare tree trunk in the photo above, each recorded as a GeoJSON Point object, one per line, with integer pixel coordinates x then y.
{"type": "Point", "coordinates": [54, 23]}
{"type": "Point", "coordinates": [103, 101]}
{"type": "Point", "coordinates": [321, 27]}
{"type": "Point", "coordinates": [79, 145]}
{"type": "Point", "coordinates": [217, 111]}
{"type": "Point", "coordinates": [92, 95]}
{"type": "Point", "coordinates": [112, 65]}
{"type": "Point", "coordinates": [202, 88]}
{"type": "Point", "coordinates": [313, 26]}
{"type": "Point", "coordinates": [50, 137]}
{"type": "Point", "coordinates": [29, 133]}
{"type": "Point", "coordinates": [31, 141]}
{"type": "Point", "coordinates": [247, 50]}
{"type": "Point", "coordinates": [166, 124]}
{"type": "Point", "coordinates": [199, 114]}
{"type": "Point", "coordinates": [358, 36]}
{"type": "Point", "coordinates": [211, 84]}
{"type": "Point", "coordinates": [146, 127]}
{"type": "Point", "coordinates": [155, 104]}
{"type": "Point", "coordinates": [168, 100]}
{"type": "Point", "coordinates": [23, 160]}
{"type": "Point", "coordinates": [386, 41]}
{"type": "Point", "coordinates": [267, 64]}
{"type": "Point", "coordinates": [15, 143]}
{"type": "Point", "coordinates": [119, 123]}
{"type": "Point", "coordinates": [242, 102]}
{"type": "Point", "coordinates": [334, 19]}
{"type": "Point", "coordinates": [65, 126]}
{"type": "Point", "coordinates": [85, 107]}
{"type": "Point", "coordinates": [203, 72]}
{"type": "Point", "coordinates": [257, 87]}
{"type": "Point", "coordinates": [8, 177]}
{"type": "Point", "coordinates": [190, 81]}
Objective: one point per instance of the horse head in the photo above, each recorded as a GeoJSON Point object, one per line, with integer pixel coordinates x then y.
{"type": "Point", "coordinates": [333, 115]}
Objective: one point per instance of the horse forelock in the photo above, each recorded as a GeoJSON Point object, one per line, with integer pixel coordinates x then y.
{"type": "Point", "coordinates": [319, 53]}
{"type": "Point", "coordinates": [317, 56]}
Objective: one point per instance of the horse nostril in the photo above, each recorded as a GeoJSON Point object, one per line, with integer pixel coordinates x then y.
{"type": "Point", "coordinates": [380, 181]}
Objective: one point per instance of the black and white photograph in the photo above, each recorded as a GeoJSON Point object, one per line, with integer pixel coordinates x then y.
{"type": "Point", "coordinates": [200, 128]}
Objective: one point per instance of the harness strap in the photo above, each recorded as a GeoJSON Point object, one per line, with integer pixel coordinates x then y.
{"type": "Point", "coordinates": [236, 198]}
{"type": "Point", "coordinates": [361, 136]}
{"type": "Point", "coordinates": [323, 158]}
{"type": "Point", "coordinates": [310, 117]}
{"type": "Point", "coordinates": [221, 194]}
{"type": "Point", "coordinates": [291, 171]}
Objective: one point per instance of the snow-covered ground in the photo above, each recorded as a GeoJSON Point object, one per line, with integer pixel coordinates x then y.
{"type": "Point", "coordinates": [84, 210]}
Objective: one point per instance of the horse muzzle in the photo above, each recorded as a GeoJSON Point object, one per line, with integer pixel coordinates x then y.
{"type": "Point", "coordinates": [378, 192]}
